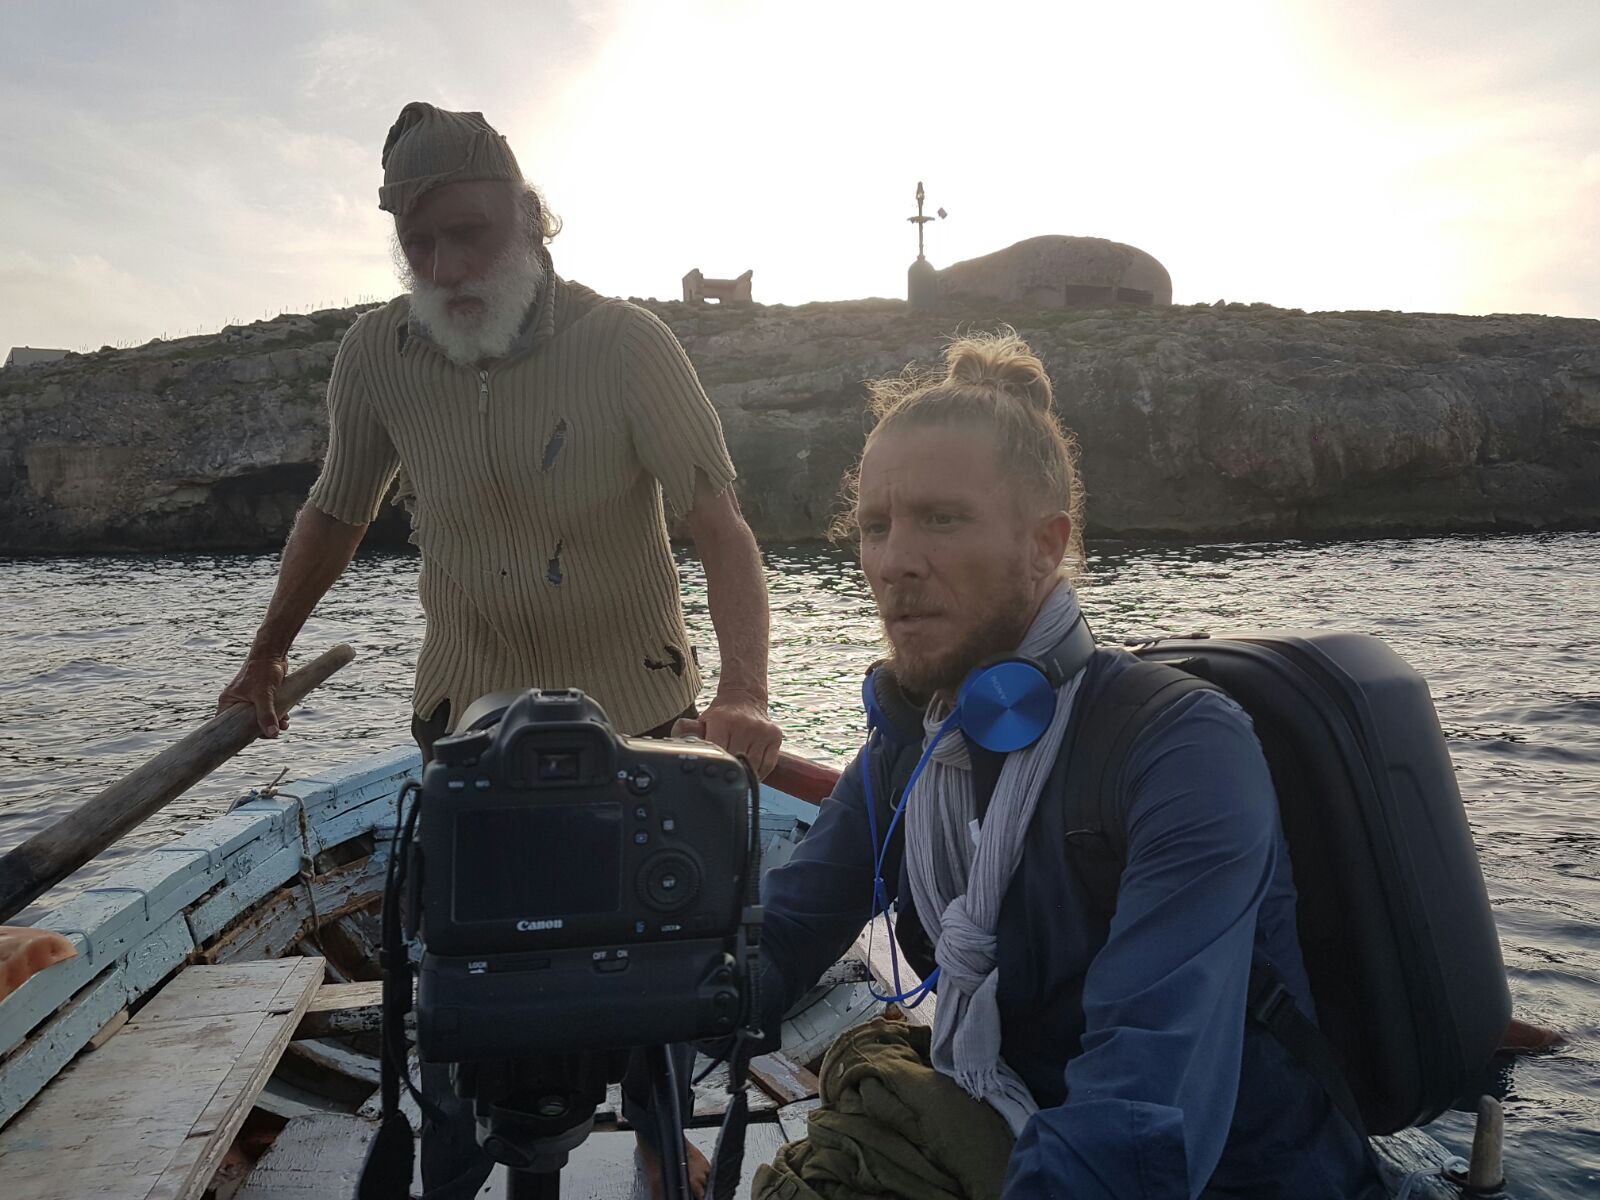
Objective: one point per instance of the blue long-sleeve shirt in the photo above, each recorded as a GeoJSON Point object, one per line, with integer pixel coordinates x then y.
{"type": "Point", "coordinates": [1134, 1040]}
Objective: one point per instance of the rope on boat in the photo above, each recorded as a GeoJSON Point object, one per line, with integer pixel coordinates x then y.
{"type": "Point", "coordinates": [307, 873]}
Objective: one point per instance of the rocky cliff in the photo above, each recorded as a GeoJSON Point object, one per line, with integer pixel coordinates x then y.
{"type": "Point", "coordinates": [1218, 422]}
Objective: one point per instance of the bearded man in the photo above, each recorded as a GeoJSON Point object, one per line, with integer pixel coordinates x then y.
{"type": "Point", "coordinates": [1081, 1054]}
{"type": "Point", "coordinates": [534, 427]}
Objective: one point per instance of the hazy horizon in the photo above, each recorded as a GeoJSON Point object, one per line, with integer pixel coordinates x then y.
{"type": "Point", "coordinates": [184, 166]}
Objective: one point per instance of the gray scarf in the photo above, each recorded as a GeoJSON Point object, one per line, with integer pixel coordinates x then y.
{"type": "Point", "coordinates": [959, 879]}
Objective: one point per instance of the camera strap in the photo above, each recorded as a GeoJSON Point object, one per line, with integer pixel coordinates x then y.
{"type": "Point", "coordinates": [727, 1159]}
{"type": "Point", "coordinates": [387, 1172]}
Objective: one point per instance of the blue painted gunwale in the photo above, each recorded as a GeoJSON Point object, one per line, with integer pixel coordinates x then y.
{"type": "Point", "coordinates": [151, 915]}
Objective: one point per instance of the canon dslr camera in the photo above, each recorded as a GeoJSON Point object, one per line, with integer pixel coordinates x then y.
{"type": "Point", "coordinates": [576, 891]}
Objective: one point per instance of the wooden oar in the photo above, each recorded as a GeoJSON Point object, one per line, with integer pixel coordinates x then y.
{"type": "Point", "coordinates": [807, 780]}
{"type": "Point", "coordinates": [802, 778]}
{"type": "Point", "coordinates": [52, 854]}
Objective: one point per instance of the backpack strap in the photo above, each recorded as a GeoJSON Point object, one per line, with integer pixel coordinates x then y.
{"type": "Point", "coordinates": [1097, 836]}
{"type": "Point", "coordinates": [1272, 1007]}
{"type": "Point", "coordinates": [1097, 840]}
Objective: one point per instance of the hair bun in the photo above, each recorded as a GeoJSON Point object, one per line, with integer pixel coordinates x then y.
{"type": "Point", "coordinates": [1001, 361]}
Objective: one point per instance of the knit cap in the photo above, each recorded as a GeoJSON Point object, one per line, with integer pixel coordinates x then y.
{"type": "Point", "coordinates": [428, 146]}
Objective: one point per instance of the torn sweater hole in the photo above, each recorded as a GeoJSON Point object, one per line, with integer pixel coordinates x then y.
{"type": "Point", "coordinates": [674, 660]}
{"type": "Point", "coordinates": [552, 448]}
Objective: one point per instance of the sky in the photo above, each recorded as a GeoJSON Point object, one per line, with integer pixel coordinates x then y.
{"type": "Point", "coordinates": [170, 168]}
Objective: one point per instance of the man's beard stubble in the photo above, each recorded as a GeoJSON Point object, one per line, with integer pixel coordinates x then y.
{"type": "Point", "coordinates": [507, 290]}
{"type": "Point", "coordinates": [1000, 632]}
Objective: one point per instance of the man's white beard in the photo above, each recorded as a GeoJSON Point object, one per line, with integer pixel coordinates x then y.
{"type": "Point", "coordinates": [507, 290]}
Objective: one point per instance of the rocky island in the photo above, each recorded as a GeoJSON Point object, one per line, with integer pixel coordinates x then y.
{"type": "Point", "coordinates": [1205, 422]}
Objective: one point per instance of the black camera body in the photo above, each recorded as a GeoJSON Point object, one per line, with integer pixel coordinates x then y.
{"type": "Point", "coordinates": [573, 890]}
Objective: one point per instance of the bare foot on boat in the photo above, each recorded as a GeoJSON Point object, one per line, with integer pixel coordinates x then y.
{"type": "Point", "coordinates": [699, 1170]}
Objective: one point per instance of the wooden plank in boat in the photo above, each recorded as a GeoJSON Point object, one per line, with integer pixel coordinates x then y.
{"type": "Point", "coordinates": [872, 948]}
{"type": "Point", "coordinates": [781, 804]}
{"type": "Point", "coordinates": [265, 824]}
{"type": "Point", "coordinates": [846, 970]}
{"type": "Point", "coordinates": [793, 1118]}
{"type": "Point", "coordinates": [263, 877]}
{"type": "Point", "coordinates": [32, 1065]}
{"type": "Point", "coordinates": [334, 1070]}
{"type": "Point", "coordinates": [315, 1157]}
{"type": "Point", "coordinates": [152, 1113]}
{"type": "Point", "coordinates": [285, 918]}
{"type": "Point", "coordinates": [108, 920]}
{"type": "Point", "coordinates": [354, 944]}
{"type": "Point", "coordinates": [167, 879]}
{"type": "Point", "coordinates": [343, 1008]}
{"type": "Point", "coordinates": [1409, 1162]}
{"type": "Point", "coordinates": [809, 1031]}
{"type": "Point", "coordinates": [711, 1095]}
{"type": "Point", "coordinates": [286, 1101]}
{"type": "Point", "coordinates": [378, 777]}
{"type": "Point", "coordinates": [373, 1108]}
{"type": "Point", "coordinates": [785, 1081]}
{"type": "Point", "coordinates": [215, 913]}
{"type": "Point", "coordinates": [108, 1030]}
{"type": "Point", "coordinates": [373, 816]}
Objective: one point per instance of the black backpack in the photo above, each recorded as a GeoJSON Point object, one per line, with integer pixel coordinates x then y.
{"type": "Point", "coordinates": [1394, 921]}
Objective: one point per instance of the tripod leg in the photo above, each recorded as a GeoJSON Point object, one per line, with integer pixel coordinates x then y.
{"type": "Point", "coordinates": [669, 1123]}
{"type": "Point", "coordinates": [529, 1185]}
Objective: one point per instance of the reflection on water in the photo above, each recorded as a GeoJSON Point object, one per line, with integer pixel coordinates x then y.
{"type": "Point", "coordinates": [103, 662]}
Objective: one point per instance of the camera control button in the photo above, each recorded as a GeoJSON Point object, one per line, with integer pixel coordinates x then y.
{"type": "Point", "coordinates": [669, 825]}
{"type": "Point", "coordinates": [483, 785]}
{"type": "Point", "coordinates": [641, 838]}
{"type": "Point", "coordinates": [611, 965]}
{"type": "Point", "coordinates": [669, 881]}
{"type": "Point", "coordinates": [731, 774]}
{"type": "Point", "coordinates": [643, 780]}
{"type": "Point", "coordinates": [456, 785]}
{"type": "Point", "coordinates": [462, 749]}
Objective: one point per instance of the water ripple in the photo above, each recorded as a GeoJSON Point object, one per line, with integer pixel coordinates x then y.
{"type": "Point", "coordinates": [105, 661]}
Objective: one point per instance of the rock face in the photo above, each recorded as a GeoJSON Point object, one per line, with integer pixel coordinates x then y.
{"type": "Point", "coordinates": [1059, 272]}
{"type": "Point", "coordinates": [1230, 422]}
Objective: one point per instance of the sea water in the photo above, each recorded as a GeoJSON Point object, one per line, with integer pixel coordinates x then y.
{"type": "Point", "coordinates": [105, 661]}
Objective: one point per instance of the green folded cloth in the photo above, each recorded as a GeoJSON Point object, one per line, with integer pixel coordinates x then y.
{"type": "Point", "coordinates": [890, 1127]}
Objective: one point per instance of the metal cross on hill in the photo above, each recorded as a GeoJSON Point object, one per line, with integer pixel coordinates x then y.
{"type": "Point", "coordinates": [919, 220]}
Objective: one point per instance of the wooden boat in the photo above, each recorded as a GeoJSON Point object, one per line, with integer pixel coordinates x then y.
{"type": "Point", "coordinates": [215, 1035]}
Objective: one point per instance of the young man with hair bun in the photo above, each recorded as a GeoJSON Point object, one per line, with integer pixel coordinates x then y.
{"type": "Point", "coordinates": [1115, 1050]}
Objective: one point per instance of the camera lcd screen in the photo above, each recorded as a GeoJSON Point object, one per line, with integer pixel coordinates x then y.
{"type": "Point", "coordinates": [538, 861]}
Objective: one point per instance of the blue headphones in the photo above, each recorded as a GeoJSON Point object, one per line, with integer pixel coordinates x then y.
{"type": "Point", "coordinates": [1004, 705]}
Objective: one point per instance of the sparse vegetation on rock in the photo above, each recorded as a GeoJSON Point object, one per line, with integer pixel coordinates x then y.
{"type": "Point", "coordinates": [1202, 422]}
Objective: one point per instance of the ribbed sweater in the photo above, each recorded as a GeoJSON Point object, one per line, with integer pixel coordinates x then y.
{"type": "Point", "coordinates": [535, 491]}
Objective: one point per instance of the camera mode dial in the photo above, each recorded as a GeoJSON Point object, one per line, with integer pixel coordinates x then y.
{"type": "Point", "coordinates": [668, 881]}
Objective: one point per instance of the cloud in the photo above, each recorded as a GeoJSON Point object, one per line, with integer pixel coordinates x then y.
{"type": "Point", "coordinates": [183, 165]}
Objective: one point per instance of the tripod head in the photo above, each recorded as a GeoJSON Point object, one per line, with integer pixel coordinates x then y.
{"type": "Point", "coordinates": [532, 1113]}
